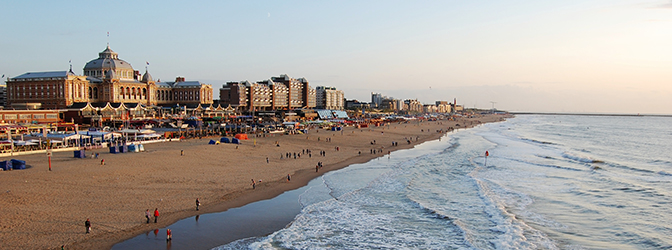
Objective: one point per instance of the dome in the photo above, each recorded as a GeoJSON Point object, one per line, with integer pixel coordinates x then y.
{"type": "Point", "coordinates": [147, 77]}
{"type": "Point", "coordinates": [106, 61]}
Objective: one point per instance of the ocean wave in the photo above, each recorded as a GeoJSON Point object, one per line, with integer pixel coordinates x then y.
{"type": "Point", "coordinates": [538, 142]}
{"type": "Point", "coordinates": [661, 162]}
{"type": "Point", "coordinates": [513, 233]}
{"type": "Point", "coordinates": [600, 164]}
{"type": "Point", "coordinates": [541, 164]}
{"type": "Point", "coordinates": [664, 173]}
{"type": "Point", "coordinates": [581, 159]}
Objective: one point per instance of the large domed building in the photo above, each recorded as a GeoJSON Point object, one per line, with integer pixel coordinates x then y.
{"type": "Point", "coordinates": [106, 79]}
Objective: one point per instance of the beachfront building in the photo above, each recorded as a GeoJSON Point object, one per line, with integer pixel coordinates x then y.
{"type": "Point", "coordinates": [329, 98]}
{"type": "Point", "coordinates": [184, 92]}
{"type": "Point", "coordinates": [299, 94]}
{"type": "Point", "coordinates": [414, 106]}
{"type": "Point", "coordinates": [233, 94]}
{"type": "Point", "coordinates": [30, 116]}
{"type": "Point", "coordinates": [355, 104]}
{"type": "Point", "coordinates": [277, 93]}
{"type": "Point", "coordinates": [442, 107]}
{"type": "Point", "coordinates": [106, 79]}
{"type": "Point", "coordinates": [390, 104]}
{"type": "Point", "coordinates": [456, 108]}
{"type": "Point", "coordinates": [54, 89]}
{"type": "Point", "coordinates": [3, 96]}
{"type": "Point", "coordinates": [429, 108]}
{"type": "Point", "coordinates": [247, 96]}
{"type": "Point", "coordinates": [309, 97]}
{"type": "Point", "coordinates": [376, 99]}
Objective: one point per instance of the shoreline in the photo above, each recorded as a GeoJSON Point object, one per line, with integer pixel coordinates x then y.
{"type": "Point", "coordinates": [217, 197]}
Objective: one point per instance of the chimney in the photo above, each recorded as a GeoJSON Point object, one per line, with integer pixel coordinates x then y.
{"type": "Point", "coordinates": [179, 79]}
{"type": "Point", "coordinates": [137, 75]}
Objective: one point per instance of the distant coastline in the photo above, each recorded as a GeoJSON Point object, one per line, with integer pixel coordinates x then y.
{"type": "Point", "coordinates": [586, 114]}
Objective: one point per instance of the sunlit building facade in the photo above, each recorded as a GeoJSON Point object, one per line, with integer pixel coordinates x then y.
{"type": "Point", "coordinates": [106, 79]}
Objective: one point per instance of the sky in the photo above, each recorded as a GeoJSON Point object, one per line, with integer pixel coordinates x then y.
{"type": "Point", "coordinates": [573, 56]}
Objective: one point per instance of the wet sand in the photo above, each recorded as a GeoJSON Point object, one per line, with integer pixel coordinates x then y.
{"type": "Point", "coordinates": [43, 209]}
{"type": "Point", "coordinates": [211, 230]}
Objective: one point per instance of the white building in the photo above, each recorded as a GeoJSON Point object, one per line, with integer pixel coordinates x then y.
{"type": "Point", "coordinates": [329, 98]}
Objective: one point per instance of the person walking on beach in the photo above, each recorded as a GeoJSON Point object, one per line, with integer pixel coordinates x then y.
{"type": "Point", "coordinates": [156, 214]}
{"type": "Point", "coordinates": [87, 223]}
{"type": "Point", "coordinates": [102, 162]}
{"type": "Point", "coordinates": [198, 204]}
{"type": "Point", "coordinates": [288, 178]}
{"type": "Point", "coordinates": [254, 184]}
{"type": "Point", "coordinates": [181, 152]}
{"type": "Point", "coordinates": [147, 215]}
{"type": "Point", "coordinates": [169, 235]}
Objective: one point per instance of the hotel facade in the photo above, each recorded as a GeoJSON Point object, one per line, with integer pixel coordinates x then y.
{"type": "Point", "coordinates": [106, 79]}
{"type": "Point", "coordinates": [276, 93]}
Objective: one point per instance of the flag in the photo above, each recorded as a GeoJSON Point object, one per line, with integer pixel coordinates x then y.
{"type": "Point", "coordinates": [147, 62]}
{"type": "Point", "coordinates": [487, 154]}
{"type": "Point", "coordinates": [3, 75]}
{"type": "Point", "coordinates": [108, 34]}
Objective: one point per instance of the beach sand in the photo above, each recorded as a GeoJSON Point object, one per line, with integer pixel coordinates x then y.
{"type": "Point", "coordinates": [41, 209]}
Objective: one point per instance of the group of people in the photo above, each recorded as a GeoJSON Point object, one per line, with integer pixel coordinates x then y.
{"type": "Point", "coordinates": [148, 215]}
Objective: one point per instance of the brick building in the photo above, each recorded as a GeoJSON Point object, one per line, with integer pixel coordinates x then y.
{"type": "Point", "coordinates": [106, 79]}
{"type": "Point", "coordinates": [277, 93]}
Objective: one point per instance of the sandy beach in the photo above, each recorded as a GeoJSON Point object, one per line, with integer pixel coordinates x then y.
{"type": "Point", "coordinates": [42, 209]}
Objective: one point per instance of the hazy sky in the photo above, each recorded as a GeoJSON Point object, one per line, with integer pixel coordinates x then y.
{"type": "Point", "coordinates": [612, 56]}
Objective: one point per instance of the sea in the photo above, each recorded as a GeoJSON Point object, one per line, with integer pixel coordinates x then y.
{"type": "Point", "coordinates": [547, 182]}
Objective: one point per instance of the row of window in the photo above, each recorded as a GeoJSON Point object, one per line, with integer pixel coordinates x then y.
{"type": "Point", "coordinates": [101, 73]}
{"type": "Point", "coordinates": [29, 116]}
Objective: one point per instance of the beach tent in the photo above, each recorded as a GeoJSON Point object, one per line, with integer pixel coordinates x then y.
{"type": "Point", "coordinates": [224, 140]}
{"type": "Point", "coordinates": [114, 149]}
{"type": "Point", "coordinates": [18, 164]}
{"type": "Point", "coordinates": [80, 153]}
{"type": "Point", "coordinates": [241, 137]}
{"type": "Point", "coordinates": [132, 148]}
{"type": "Point", "coordinates": [212, 142]}
{"type": "Point", "coordinates": [5, 165]}
{"type": "Point", "coordinates": [235, 140]}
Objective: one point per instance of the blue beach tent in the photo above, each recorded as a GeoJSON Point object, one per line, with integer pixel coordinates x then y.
{"type": "Point", "coordinates": [80, 153]}
{"type": "Point", "coordinates": [114, 149]}
{"type": "Point", "coordinates": [224, 140]}
{"type": "Point", "coordinates": [5, 165]}
{"type": "Point", "coordinates": [18, 164]}
{"type": "Point", "coordinates": [212, 142]}
{"type": "Point", "coordinates": [235, 140]}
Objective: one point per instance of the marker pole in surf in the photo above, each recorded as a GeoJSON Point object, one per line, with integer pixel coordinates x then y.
{"type": "Point", "coordinates": [486, 158]}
